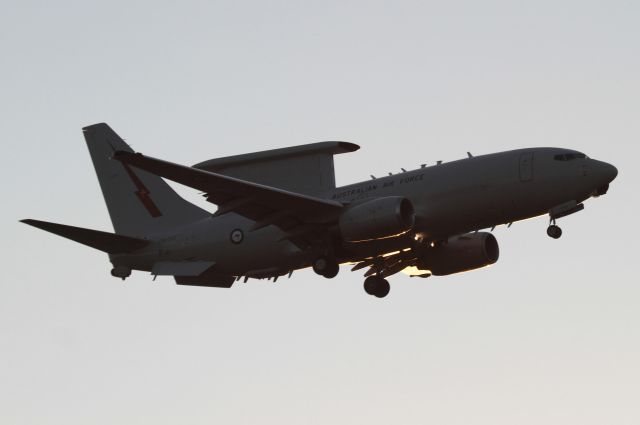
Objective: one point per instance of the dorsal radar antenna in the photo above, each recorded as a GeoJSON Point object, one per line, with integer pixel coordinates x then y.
{"type": "Point", "coordinates": [403, 170]}
{"type": "Point", "coordinates": [469, 154]}
{"type": "Point", "coordinates": [372, 177]}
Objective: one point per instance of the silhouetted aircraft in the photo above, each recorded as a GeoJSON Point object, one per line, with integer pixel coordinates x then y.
{"type": "Point", "coordinates": [280, 210]}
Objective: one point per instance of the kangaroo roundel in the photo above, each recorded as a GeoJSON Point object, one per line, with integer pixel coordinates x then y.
{"type": "Point", "coordinates": [236, 236]}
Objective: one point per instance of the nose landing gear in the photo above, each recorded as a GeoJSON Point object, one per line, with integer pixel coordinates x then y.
{"type": "Point", "coordinates": [554, 231]}
{"type": "Point", "coordinates": [560, 211]}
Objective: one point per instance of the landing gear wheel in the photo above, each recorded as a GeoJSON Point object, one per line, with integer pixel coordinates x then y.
{"type": "Point", "coordinates": [122, 272]}
{"type": "Point", "coordinates": [554, 231]}
{"type": "Point", "coordinates": [332, 270]}
{"type": "Point", "coordinates": [377, 286]}
{"type": "Point", "coordinates": [383, 289]}
{"type": "Point", "coordinates": [326, 267]}
{"type": "Point", "coordinates": [370, 285]}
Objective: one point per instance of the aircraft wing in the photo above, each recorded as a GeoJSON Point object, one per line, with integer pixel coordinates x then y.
{"type": "Point", "coordinates": [265, 205]}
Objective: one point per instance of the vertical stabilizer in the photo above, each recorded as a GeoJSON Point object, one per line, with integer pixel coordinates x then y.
{"type": "Point", "coordinates": [139, 203]}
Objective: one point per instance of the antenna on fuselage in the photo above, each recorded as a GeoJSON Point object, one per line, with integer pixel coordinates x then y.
{"type": "Point", "coordinates": [403, 170]}
{"type": "Point", "coordinates": [469, 155]}
{"type": "Point", "coordinates": [372, 177]}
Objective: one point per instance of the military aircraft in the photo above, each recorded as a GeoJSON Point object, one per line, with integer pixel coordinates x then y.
{"type": "Point", "coordinates": [280, 210]}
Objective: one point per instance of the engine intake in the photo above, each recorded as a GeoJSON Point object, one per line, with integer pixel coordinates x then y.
{"type": "Point", "coordinates": [460, 254]}
{"type": "Point", "coordinates": [377, 219]}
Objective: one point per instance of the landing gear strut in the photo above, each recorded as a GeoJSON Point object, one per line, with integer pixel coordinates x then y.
{"type": "Point", "coordinates": [327, 267]}
{"type": "Point", "coordinates": [376, 286]}
{"type": "Point", "coordinates": [553, 230]}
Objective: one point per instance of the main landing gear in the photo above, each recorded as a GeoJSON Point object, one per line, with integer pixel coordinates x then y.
{"type": "Point", "coordinates": [377, 286]}
{"type": "Point", "coordinates": [373, 285]}
{"type": "Point", "coordinates": [326, 266]}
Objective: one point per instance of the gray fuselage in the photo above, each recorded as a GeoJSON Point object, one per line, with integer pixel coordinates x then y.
{"type": "Point", "coordinates": [449, 199]}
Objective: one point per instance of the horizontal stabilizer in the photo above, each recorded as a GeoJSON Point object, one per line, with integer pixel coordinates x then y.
{"type": "Point", "coordinates": [103, 241]}
{"type": "Point", "coordinates": [181, 268]}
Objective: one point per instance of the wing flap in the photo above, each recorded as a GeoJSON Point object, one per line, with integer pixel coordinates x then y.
{"type": "Point", "coordinates": [385, 266]}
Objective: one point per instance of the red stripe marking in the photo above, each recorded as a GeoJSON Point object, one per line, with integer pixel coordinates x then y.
{"type": "Point", "coordinates": [143, 193]}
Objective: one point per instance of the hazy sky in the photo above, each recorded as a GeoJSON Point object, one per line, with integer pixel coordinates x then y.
{"type": "Point", "coordinates": [549, 335]}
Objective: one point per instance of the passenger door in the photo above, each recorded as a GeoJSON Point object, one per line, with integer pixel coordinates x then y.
{"type": "Point", "coordinates": [526, 167]}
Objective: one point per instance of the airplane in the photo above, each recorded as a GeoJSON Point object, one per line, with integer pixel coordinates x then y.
{"type": "Point", "coordinates": [280, 210]}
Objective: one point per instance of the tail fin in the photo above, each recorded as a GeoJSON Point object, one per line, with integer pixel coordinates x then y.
{"type": "Point", "coordinates": [104, 241]}
{"type": "Point", "coordinates": [139, 203]}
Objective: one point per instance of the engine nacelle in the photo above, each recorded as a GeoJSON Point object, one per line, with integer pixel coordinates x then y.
{"type": "Point", "coordinates": [460, 254]}
{"type": "Point", "coordinates": [377, 219]}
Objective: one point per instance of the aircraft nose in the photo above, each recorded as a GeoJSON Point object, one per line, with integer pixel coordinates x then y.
{"type": "Point", "coordinates": [605, 173]}
{"type": "Point", "coordinates": [609, 172]}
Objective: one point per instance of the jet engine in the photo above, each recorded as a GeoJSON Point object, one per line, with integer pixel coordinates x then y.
{"type": "Point", "coordinates": [377, 219]}
{"type": "Point", "coordinates": [459, 254]}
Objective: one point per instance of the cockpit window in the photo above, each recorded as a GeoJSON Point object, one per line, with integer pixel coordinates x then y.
{"type": "Point", "coordinates": [569, 156]}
